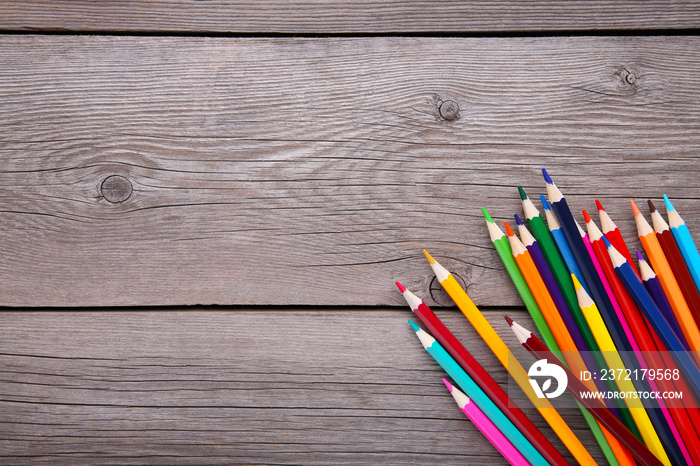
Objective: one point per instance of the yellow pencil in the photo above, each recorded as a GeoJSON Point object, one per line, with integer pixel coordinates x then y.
{"type": "Point", "coordinates": [516, 370]}
{"type": "Point", "coordinates": [612, 358]}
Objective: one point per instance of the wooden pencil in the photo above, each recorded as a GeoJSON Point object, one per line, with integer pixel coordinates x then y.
{"type": "Point", "coordinates": [585, 397]}
{"type": "Point", "coordinates": [676, 262]}
{"type": "Point", "coordinates": [611, 355]}
{"type": "Point", "coordinates": [612, 233]}
{"type": "Point", "coordinates": [653, 286]}
{"type": "Point", "coordinates": [684, 240]}
{"type": "Point", "coordinates": [501, 351]}
{"type": "Point", "coordinates": [471, 388]}
{"type": "Point", "coordinates": [663, 270]}
{"type": "Point", "coordinates": [663, 420]}
{"type": "Point", "coordinates": [486, 427]}
{"type": "Point", "coordinates": [646, 303]}
{"type": "Point", "coordinates": [482, 378]}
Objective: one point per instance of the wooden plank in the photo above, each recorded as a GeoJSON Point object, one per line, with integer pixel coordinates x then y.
{"type": "Point", "coordinates": [314, 171]}
{"type": "Point", "coordinates": [360, 16]}
{"type": "Point", "coordinates": [277, 387]}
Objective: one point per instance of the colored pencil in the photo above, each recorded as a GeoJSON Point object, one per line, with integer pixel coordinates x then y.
{"type": "Point", "coordinates": [653, 286]}
{"type": "Point", "coordinates": [582, 394]}
{"type": "Point", "coordinates": [612, 233]}
{"type": "Point", "coordinates": [486, 427]}
{"type": "Point", "coordinates": [500, 242]}
{"type": "Point", "coordinates": [668, 281]}
{"type": "Point", "coordinates": [684, 240]}
{"type": "Point", "coordinates": [499, 348]}
{"type": "Point", "coordinates": [640, 340]}
{"type": "Point", "coordinates": [472, 389]}
{"type": "Point", "coordinates": [654, 315]}
{"type": "Point", "coordinates": [561, 242]}
{"type": "Point", "coordinates": [472, 367]}
{"type": "Point", "coordinates": [607, 346]}
{"type": "Point", "coordinates": [568, 338]}
{"type": "Point", "coordinates": [676, 262]}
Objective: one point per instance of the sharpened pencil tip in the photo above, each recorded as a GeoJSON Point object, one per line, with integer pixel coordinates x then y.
{"type": "Point", "coordinates": [428, 256]}
{"type": "Point", "coordinates": [577, 284]}
{"type": "Point", "coordinates": [401, 287]}
{"type": "Point", "coordinates": [414, 326]}
{"type": "Point", "coordinates": [640, 257]}
{"type": "Point", "coordinates": [448, 384]}
{"type": "Point", "coordinates": [518, 220]}
{"type": "Point", "coordinates": [652, 207]}
{"type": "Point", "coordinates": [586, 217]}
{"type": "Point", "coordinates": [545, 204]}
{"type": "Point", "coordinates": [635, 210]}
{"type": "Point", "coordinates": [599, 205]}
{"type": "Point", "coordinates": [607, 243]}
{"type": "Point", "coordinates": [546, 176]}
{"type": "Point", "coordinates": [509, 320]}
{"type": "Point", "coordinates": [669, 206]}
{"type": "Point", "coordinates": [523, 196]}
{"type": "Point", "coordinates": [509, 230]}
{"type": "Point", "coordinates": [486, 215]}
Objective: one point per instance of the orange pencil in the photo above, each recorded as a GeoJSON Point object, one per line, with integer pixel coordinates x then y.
{"type": "Point", "coordinates": [668, 282]}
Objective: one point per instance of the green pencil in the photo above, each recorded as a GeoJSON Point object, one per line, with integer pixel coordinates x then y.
{"type": "Point", "coordinates": [500, 242]}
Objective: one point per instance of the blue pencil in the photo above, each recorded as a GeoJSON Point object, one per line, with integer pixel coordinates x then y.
{"type": "Point", "coordinates": [685, 241]}
{"type": "Point", "coordinates": [559, 239]}
{"type": "Point", "coordinates": [654, 315]}
{"type": "Point", "coordinates": [653, 286]}
{"type": "Point", "coordinates": [477, 395]}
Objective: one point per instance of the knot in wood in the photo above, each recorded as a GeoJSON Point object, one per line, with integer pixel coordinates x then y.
{"type": "Point", "coordinates": [449, 110]}
{"type": "Point", "coordinates": [439, 295]}
{"type": "Point", "coordinates": [116, 189]}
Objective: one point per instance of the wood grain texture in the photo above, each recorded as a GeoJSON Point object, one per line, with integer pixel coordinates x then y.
{"type": "Point", "coordinates": [314, 171]}
{"type": "Point", "coordinates": [194, 386]}
{"type": "Point", "coordinates": [360, 16]}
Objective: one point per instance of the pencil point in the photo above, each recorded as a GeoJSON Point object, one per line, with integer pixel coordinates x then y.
{"type": "Point", "coordinates": [635, 210]}
{"type": "Point", "coordinates": [486, 215]}
{"type": "Point", "coordinates": [518, 220]}
{"type": "Point", "coordinates": [429, 257]}
{"type": "Point", "coordinates": [447, 384]}
{"type": "Point", "coordinates": [509, 320]}
{"type": "Point", "coordinates": [546, 176]}
{"type": "Point", "coordinates": [577, 284]}
{"type": "Point", "coordinates": [401, 287]}
{"type": "Point", "coordinates": [652, 207]}
{"type": "Point", "coordinates": [640, 257]}
{"type": "Point", "coordinates": [509, 230]}
{"type": "Point", "coordinates": [607, 243]}
{"type": "Point", "coordinates": [669, 206]}
{"type": "Point", "coordinates": [545, 204]}
{"type": "Point", "coordinates": [523, 196]}
{"type": "Point", "coordinates": [414, 326]}
{"type": "Point", "coordinates": [598, 205]}
{"type": "Point", "coordinates": [586, 217]}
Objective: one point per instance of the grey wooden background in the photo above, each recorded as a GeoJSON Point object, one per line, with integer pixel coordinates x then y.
{"type": "Point", "coordinates": [204, 207]}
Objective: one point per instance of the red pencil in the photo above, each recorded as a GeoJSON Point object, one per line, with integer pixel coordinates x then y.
{"type": "Point", "coordinates": [612, 233]}
{"type": "Point", "coordinates": [676, 261]}
{"type": "Point", "coordinates": [584, 396]}
{"type": "Point", "coordinates": [472, 367]}
{"type": "Point", "coordinates": [643, 339]}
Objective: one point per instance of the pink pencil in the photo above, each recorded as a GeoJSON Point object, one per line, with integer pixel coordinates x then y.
{"type": "Point", "coordinates": [486, 427]}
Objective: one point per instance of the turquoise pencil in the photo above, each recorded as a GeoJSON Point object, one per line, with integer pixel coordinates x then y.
{"type": "Point", "coordinates": [684, 240]}
{"type": "Point", "coordinates": [477, 395]}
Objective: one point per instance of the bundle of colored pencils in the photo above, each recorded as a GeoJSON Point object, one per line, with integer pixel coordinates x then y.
{"type": "Point", "coordinates": [636, 330]}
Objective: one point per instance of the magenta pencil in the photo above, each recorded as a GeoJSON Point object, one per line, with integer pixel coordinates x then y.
{"type": "Point", "coordinates": [486, 427]}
